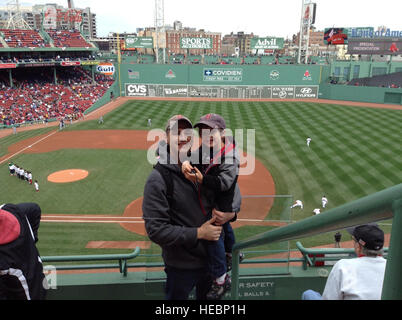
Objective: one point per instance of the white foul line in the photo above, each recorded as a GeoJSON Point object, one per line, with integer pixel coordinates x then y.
{"type": "Point", "coordinates": [12, 156]}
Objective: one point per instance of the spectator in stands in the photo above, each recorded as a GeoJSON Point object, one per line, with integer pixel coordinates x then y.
{"type": "Point", "coordinates": [359, 278]}
{"type": "Point", "coordinates": [34, 100]}
{"type": "Point", "coordinates": [21, 270]}
{"type": "Point", "coordinates": [178, 228]}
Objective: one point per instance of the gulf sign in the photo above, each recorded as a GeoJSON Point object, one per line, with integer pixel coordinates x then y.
{"type": "Point", "coordinates": [106, 68]}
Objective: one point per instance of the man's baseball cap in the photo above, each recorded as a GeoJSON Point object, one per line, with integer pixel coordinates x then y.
{"type": "Point", "coordinates": [173, 121]}
{"type": "Point", "coordinates": [212, 120]}
{"type": "Point", "coordinates": [370, 236]}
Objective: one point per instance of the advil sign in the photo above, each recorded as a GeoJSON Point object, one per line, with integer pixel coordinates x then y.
{"type": "Point", "coordinates": [266, 43]}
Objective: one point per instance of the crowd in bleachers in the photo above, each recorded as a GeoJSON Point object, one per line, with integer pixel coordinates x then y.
{"type": "Point", "coordinates": [41, 99]}
{"type": "Point", "coordinates": [23, 38]}
{"type": "Point", "coordinates": [33, 39]}
{"type": "Point", "coordinates": [68, 39]}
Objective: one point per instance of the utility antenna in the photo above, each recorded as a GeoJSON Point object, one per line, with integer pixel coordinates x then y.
{"type": "Point", "coordinates": [160, 28]}
{"type": "Point", "coordinates": [16, 21]}
{"type": "Point", "coordinates": [306, 21]}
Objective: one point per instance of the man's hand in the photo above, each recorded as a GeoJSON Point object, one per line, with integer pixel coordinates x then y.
{"type": "Point", "coordinates": [208, 231]}
{"type": "Point", "coordinates": [186, 167]}
{"type": "Point", "coordinates": [222, 217]}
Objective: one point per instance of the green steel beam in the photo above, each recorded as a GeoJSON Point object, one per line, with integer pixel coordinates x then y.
{"type": "Point", "coordinates": [375, 207]}
{"type": "Point", "coordinates": [392, 286]}
{"type": "Point", "coordinates": [98, 257]}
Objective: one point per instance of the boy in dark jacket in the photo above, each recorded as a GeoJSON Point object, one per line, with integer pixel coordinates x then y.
{"type": "Point", "coordinates": [216, 174]}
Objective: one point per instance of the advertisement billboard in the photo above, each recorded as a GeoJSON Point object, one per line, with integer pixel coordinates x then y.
{"type": "Point", "coordinates": [266, 43]}
{"type": "Point", "coordinates": [220, 74]}
{"type": "Point", "coordinates": [8, 65]}
{"type": "Point", "coordinates": [368, 32]}
{"type": "Point", "coordinates": [309, 13]}
{"type": "Point", "coordinates": [106, 68]}
{"type": "Point", "coordinates": [195, 43]}
{"type": "Point", "coordinates": [137, 90]}
{"type": "Point", "coordinates": [334, 36]}
{"type": "Point", "coordinates": [139, 42]}
{"type": "Point", "coordinates": [375, 46]}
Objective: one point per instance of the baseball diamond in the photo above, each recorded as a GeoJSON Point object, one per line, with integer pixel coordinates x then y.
{"type": "Point", "coordinates": [339, 164]}
{"type": "Point", "coordinates": [195, 160]}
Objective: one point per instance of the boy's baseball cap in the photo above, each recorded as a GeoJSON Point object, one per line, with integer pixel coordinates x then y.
{"type": "Point", "coordinates": [175, 120]}
{"type": "Point", "coordinates": [370, 236]}
{"type": "Point", "coordinates": [212, 120]}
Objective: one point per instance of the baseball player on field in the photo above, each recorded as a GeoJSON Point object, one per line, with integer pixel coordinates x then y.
{"type": "Point", "coordinates": [308, 142]}
{"type": "Point", "coordinates": [298, 203]}
{"type": "Point", "coordinates": [324, 201]}
{"type": "Point", "coordinates": [317, 211]}
{"type": "Point", "coordinates": [11, 167]}
{"type": "Point", "coordinates": [36, 186]}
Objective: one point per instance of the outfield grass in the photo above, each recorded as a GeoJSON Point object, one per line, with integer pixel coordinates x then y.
{"type": "Point", "coordinates": [56, 239]}
{"type": "Point", "coordinates": [354, 152]}
{"type": "Point", "coordinates": [115, 180]}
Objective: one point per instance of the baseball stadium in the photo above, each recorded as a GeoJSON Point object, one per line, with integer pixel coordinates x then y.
{"type": "Point", "coordinates": [79, 120]}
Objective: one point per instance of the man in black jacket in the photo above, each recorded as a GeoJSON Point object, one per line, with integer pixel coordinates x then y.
{"type": "Point", "coordinates": [21, 270]}
{"type": "Point", "coordinates": [177, 222]}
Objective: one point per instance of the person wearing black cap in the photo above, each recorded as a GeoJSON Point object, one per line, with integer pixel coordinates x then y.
{"type": "Point", "coordinates": [216, 174]}
{"type": "Point", "coordinates": [359, 278]}
{"type": "Point", "coordinates": [174, 219]}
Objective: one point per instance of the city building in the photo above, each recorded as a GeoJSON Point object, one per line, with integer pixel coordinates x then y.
{"type": "Point", "coordinates": [53, 16]}
{"type": "Point", "coordinates": [173, 41]}
{"type": "Point", "coordinates": [110, 42]}
{"type": "Point", "coordinates": [238, 43]}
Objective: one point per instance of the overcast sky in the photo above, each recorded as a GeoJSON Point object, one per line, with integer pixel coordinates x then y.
{"type": "Point", "coordinates": [279, 18]}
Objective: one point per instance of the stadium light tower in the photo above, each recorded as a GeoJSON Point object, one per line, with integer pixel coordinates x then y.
{"type": "Point", "coordinates": [306, 21]}
{"type": "Point", "coordinates": [16, 21]}
{"type": "Point", "coordinates": [160, 27]}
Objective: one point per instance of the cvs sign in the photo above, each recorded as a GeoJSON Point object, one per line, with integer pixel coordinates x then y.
{"type": "Point", "coordinates": [136, 90]}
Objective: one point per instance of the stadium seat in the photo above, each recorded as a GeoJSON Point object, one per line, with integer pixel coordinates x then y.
{"type": "Point", "coordinates": [23, 38]}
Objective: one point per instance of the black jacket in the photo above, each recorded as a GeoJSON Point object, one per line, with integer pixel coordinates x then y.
{"type": "Point", "coordinates": [21, 270]}
{"type": "Point", "coordinates": [174, 226]}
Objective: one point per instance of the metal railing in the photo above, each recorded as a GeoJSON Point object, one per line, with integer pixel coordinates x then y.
{"type": "Point", "coordinates": [382, 205]}
{"type": "Point", "coordinates": [313, 255]}
{"type": "Point", "coordinates": [121, 258]}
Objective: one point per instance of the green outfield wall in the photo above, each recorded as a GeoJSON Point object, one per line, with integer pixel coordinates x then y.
{"type": "Point", "coordinates": [220, 81]}
{"type": "Point", "coordinates": [256, 81]}
{"type": "Point", "coordinates": [221, 75]}
{"type": "Point", "coordinates": [348, 70]}
{"type": "Point", "coordinates": [360, 94]}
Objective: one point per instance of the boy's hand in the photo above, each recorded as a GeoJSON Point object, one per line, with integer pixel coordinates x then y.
{"type": "Point", "coordinates": [222, 217]}
{"type": "Point", "coordinates": [194, 175]}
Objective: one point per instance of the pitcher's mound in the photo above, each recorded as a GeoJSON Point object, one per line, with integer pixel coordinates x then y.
{"type": "Point", "coordinates": [67, 176]}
